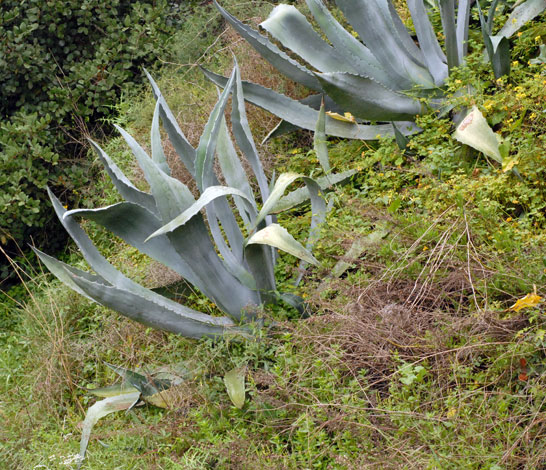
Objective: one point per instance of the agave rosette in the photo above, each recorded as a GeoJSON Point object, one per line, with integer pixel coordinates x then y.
{"type": "Point", "coordinates": [229, 257]}
{"type": "Point", "coordinates": [379, 74]}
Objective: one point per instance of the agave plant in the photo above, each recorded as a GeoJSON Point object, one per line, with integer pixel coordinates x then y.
{"type": "Point", "coordinates": [230, 257]}
{"type": "Point", "coordinates": [379, 74]}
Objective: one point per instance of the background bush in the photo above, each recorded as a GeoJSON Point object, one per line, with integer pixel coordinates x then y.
{"type": "Point", "coordinates": [63, 64]}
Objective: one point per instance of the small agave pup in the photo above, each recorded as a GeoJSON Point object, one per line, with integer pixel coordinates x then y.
{"type": "Point", "coordinates": [233, 270]}
{"type": "Point", "coordinates": [379, 74]}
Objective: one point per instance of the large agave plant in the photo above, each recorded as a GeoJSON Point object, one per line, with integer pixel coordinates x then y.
{"type": "Point", "coordinates": [379, 74]}
{"type": "Point", "coordinates": [230, 257]}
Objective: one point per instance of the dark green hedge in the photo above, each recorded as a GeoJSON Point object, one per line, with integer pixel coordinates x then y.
{"type": "Point", "coordinates": [62, 66]}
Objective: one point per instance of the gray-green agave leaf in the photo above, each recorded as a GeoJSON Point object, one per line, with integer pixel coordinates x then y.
{"type": "Point", "coordinates": [377, 76]}
{"type": "Point", "coordinates": [230, 262]}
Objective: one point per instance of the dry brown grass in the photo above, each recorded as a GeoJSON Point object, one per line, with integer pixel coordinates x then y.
{"type": "Point", "coordinates": [397, 313]}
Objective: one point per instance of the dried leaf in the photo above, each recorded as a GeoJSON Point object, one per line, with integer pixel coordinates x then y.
{"type": "Point", "coordinates": [529, 301]}
{"type": "Point", "coordinates": [347, 117]}
{"type": "Point", "coordinates": [235, 385]}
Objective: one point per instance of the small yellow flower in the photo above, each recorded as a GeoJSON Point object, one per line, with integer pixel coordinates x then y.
{"type": "Point", "coordinates": [537, 39]}
{"type": "Point", "coordinates": [509, 219]}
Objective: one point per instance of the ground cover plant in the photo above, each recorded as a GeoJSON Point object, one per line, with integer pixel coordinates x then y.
{"type": "Point", "coordinates": [427, 347]}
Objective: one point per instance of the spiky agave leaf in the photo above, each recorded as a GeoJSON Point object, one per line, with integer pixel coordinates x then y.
{"type": "Point", "coordinates": [370, 77]}
{"type": "Point", "coordinates": [167, 224]}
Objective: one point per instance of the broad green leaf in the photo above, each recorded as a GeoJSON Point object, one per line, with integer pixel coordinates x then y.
{"type": "Point", "coordinates": [433, 55]}
{"type": "Point", "coordinates": [373, 21]}
{"type": "Point", "coordinates": [204, 161]}
{"type": "Point", "coordinates": [463, 20]}
{"type": "Point", "coordinates": [122, 183]}
{"type": "Point", "coordinates": [235, 386]}
{"type": "Point", "coordinates": [281, 61]}
{"type": "Point", "coordinates": [319, 142]}
{"type": "Point", "coordinates": [304, 116]}
{"type": "Point", "coordinates": [133, 224]}
{"type": "Point", "coordinates": [318, 214]}
{"type": "Point", "coordinates": [367, 99]}
{"type": "Point", "coordinates": [101, 266]}
{"type": "Point", "coordinates": [183, 148]}
{"type": "Point", "coordinates": [219, 210]}
{"type": "Point", "coordinates": [501, 56]}
{"type": "Point", "coordinates": [447, 13]}
{"type": "Point", "coordinates": [180, 320]}
{"type": "Point", "coordinates": [345, 44]}
{"type": "Point", "coordinates": [293, 31]}
{"type": "Point", "coordinates": [144, 305]}
{"type": "Point", "coordinates": [497, 47]}
{"type": "Point", "coordinates": [476, 133]}
{"type": "Point", "coordinates": [523, 13]}
{"type": "Point", "coordinates": [146, 385]}
{"type": "Point", "coordinates": [277, 236]}
{"type": "Point", "coordinates": [234, 174]}
{"type": "Point", "coordinates": [209, 195]}
{"type": "Point", "coordinates": [401, 140]}
{"type": "Point", "coordinates": [158, 155]}
{"type": "Point", "coordinates": [283, 181]}
{"type": "Point", "coordinates": [65, 272]}
{"type": "Point", "coordinates": [300, 195]}
{"type": "Point", "coordinates": [192, 241]}
{"type": "Point", "coordinates": [402, 34]}
{"type": "Point", "coordinates": [243, 135]}
{"type": "Point", "coordinates": [170, 194]}
{"type": "Point", "coordinates": [101, 409]}
{"type": "Point", "coordinates": [113, 390]}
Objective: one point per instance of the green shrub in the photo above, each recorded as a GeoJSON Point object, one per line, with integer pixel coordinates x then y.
{"type": "Point", "coordinates": [58, 60]}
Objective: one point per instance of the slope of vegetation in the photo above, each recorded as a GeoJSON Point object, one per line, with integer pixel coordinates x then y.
{"type": "Point", "coordinates": [426, 346]}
